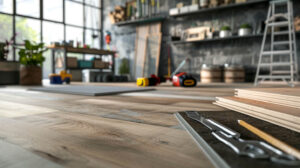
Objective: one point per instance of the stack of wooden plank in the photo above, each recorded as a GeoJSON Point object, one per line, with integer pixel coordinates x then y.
{"type": "Point", "coordinates": [280, 106]}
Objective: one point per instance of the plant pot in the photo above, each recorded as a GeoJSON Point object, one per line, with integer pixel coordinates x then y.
{"type": "Point", "coordinates": [225, 33]}
{"type": "Point", "coordinates": [244, 31]}
{"type": "Point", "coordinates": [30, 75]}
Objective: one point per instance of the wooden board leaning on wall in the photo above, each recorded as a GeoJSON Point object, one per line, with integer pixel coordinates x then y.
{"type": "Point", "coordinates": [147, 45]}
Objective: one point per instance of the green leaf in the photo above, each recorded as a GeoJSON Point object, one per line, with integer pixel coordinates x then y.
{"type": "Point", "coordinates": [28, 44]}
{"type": "Point", "coordinates": [32, 54]}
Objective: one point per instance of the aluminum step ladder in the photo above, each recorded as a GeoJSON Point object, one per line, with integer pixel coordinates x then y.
{"type": "Point", "coordinates": [279, 24]}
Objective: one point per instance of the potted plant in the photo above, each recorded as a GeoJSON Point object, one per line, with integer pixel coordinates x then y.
{"type": "Point", "coordinates": [31, 60]}
{"type": "Point", "coordinates": [245, 29]}
{"type": "Point", "coordinates": [225, 32]}
{"type": "Point", "coordinates": [124, 68]}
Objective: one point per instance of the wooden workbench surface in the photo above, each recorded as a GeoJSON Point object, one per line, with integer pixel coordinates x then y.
{"type": "Point", "coordinates": [127, 130]}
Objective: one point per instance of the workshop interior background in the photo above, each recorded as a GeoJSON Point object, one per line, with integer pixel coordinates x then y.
{"type": "Point", "coordinates": [233, 52]}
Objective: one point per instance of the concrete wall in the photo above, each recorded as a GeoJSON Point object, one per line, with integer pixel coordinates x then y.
{"type": "Point", "coordinates": [244, 51]}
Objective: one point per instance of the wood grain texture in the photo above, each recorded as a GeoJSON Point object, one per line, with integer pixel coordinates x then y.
{"type": "Point", "coordinates": [142, 47]}
{"type": "Point", "coordinates": [289, 113]}
{"type": "Point", "coordinates": [110, 131]}
{"type": "Point", "coordinates": [142, 33]}
{"type": "Point", "coordinates": [278, 114]}
{"type": "Point", "coordinates": [14, 156]}
{"type": "Point", "coordinates": [152, 55]}
{"type": "Point", "coordinates": [268, 118]}
{"type": "Point", "coordinates": [279, 91]}
{"type": "Point", "coordinates": [283, 96]}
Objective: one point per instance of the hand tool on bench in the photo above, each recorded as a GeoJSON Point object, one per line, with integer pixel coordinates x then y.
{"type": "Point", "coordinates": [272, 140]}
{"type": "Point", "coordinates": [251, 148]}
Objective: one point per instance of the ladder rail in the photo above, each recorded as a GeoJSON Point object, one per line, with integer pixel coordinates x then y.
{"type": "Point", "coordinates": [289, 54]}
{"type": "Point", "coordinates": [262, 49]}
{"type": "Point", "coordinates": [290, 41]}
{"type": "Point", "coordinates": [295, 43]}
{"type": "Point", "coordinates": [272, 40]}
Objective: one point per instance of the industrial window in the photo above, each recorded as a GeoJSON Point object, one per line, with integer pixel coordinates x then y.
{"type": "Point", "coordinates": [50, 21]}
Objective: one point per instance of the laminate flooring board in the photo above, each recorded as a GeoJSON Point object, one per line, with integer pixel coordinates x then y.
{"type": "Point", "coordinates": [82, 141]}
{"type": "Point", "coordinates": [293, 92]}
{"type": "Point", "coordinates": [287, 113]}
{"type": "Point", "coordinates": [137, 106]}
{"type": "Point", "coordinates": [90, 90]}
{"type": "Point", "coordinates": [268, 118]}
{"type": "Point", "coordinates": [107, 131]}
{"type": "Point", "coordinates": [269, 99]}
{"type": "Point", "coordinates": [10, 153]}
{"type": "Point", "coordinates": [290, 94]}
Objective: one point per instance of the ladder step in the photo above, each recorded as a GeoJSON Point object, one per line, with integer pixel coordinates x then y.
{"type": "Point", "coordinates": [282, 72]}
{"type": "Point", "coordinates": [274, 77]}
{"type": "Point", "coordinates": [279, 1]}
{"type": "Point", "coordinates": [276, 64]}
{"type": "Point", "coordinates": [279, 52]}
{"type": "Point", "coordinates": [278, 24]}
{"type": "Point", "coordinates": [281, 33]}
{"type": "Point", "coordinates": [281, 42]}
{"type": "Point", "coordinates": [278, 15]}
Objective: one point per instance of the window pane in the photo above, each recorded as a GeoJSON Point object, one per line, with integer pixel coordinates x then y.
{"type": "Point", "coordinates": [6, 6]}
{"type": "Point", "coordinates": [92, 17]}
{"type": "Point", "coordinates": [28, 7]}
{"type": "Point", "coordinates": [53, 10]}
{"type": "Point", "coordinates": [6, 27]}
{"type": "Point", "coordinates": [28, 29]}
{"type": "Point", "coordinates": [10, 54]}
{"type": "Point", "coordinates": [74, 13]}
{"type": "Point", "coordinates": [77, 0]}
{"type": "Point", "coordinates": [52, 32]}
{"type": "Point", "coordinates": [92, 38]}
{"type": "Point", "coordinates": [47, 64]}
{"type": "Point", "coordinates": [93, 2]}
{"type": "Point", "coordinates": [75, 34]}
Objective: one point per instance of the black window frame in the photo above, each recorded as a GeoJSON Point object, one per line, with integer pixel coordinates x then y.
{"type": "Point", "coordinates": [63, 22]}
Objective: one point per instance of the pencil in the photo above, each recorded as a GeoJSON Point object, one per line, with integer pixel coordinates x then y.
{"type": "Point", "coordinates": [272, 140]}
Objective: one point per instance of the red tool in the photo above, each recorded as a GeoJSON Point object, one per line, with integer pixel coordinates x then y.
{"type": "Point", "coordinates": [183, 79]}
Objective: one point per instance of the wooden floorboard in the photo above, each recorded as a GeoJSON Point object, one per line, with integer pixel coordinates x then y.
{"type": "Point", "coordinates": [108, 131]}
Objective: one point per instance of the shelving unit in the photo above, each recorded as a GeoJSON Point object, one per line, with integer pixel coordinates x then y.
{"type": "Point", "coordinates": [141, 21]}
{"type": "Point", "coordinates": [218, 39]}
{"type": "Point", "coordinates": [223, 39]}
{"type": "Point", "coordinates": [67, 50]}
{"type": "Point", "coordinates": [234, 5]}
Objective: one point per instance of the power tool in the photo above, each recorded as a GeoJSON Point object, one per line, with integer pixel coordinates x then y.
{"type": "Point", "coordinates": [184, 80]}
{"type": "Point", "coordinates": [152, 81]}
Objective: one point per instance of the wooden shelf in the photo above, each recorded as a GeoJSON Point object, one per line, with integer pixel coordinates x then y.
{"type": "Point", "coordinates": [222, 39]}
{"type": "Point", "coordinates": [141, 21]}
{"type": "Point", "coordinates": [84, 50]}
{"type": "Point", "coordinates": [234, 5]}
{"type": "Point", "coordinates": [89, 68]}
{"type": "Point", "coordinates": [219, 39]}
